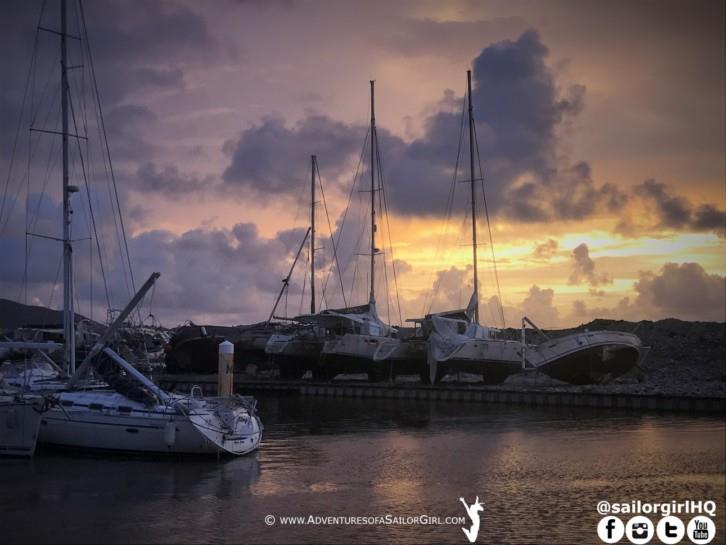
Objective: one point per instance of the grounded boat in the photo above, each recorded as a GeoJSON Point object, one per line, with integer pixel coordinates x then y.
{"type": "Point", "coordinates": [587, 357]}
{"type": "Point", "coordinates": [461, 344]}
{"type": "Point", "coordinates": [354, 336]}
{"type": "Point", "coordinates": [357, 332]}
{"type": "Point", "coordinates": [457, 346]}
{"type": "Point", "coordinates": [297, 351]}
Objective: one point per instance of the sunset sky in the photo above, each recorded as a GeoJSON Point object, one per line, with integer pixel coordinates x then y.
{"type": "Point", "coordinates": [601, 129]}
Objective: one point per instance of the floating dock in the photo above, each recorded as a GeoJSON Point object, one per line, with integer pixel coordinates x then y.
{"type": "Point", "coordinates": [456, 392]}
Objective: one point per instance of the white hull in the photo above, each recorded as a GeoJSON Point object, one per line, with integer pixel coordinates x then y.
{"type": "Point", "coordinates": [588, 357]}
{"type": "Point", "coordinates": [351, 345]}
{"type": "Point", "coordinates": [19, 423]}
{"type": "Point", "coordinates": [110, 421]}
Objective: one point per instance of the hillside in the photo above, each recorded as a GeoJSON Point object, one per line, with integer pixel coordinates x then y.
{"type": "Point", "coordinates": [13, 314]}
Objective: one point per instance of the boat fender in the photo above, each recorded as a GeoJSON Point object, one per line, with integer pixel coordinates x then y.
{"type": "Point", "coordinates": [170, 434]}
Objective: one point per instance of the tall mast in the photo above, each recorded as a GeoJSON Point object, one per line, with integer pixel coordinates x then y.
{"type": "Point", "coordinates": [473, 195]}
{"type": "Point", "coordinates": [313, 165]}
{"type": "Point", "coordinates": [69, 332]}
{"type": "Point", "coordinates": [372, 297]}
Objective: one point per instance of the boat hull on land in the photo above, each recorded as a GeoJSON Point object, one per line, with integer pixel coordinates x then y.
{"type": "Point", "coordinates": [589, 357]}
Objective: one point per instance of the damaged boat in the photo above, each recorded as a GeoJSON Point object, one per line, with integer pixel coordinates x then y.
{"type": "Point", "coordinates": [587, 357]}
{"type": "Point", "coordinates": [358, 332]}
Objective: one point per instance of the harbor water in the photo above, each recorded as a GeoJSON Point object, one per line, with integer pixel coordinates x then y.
{"type": "Point", "coordinates": [344, 465]}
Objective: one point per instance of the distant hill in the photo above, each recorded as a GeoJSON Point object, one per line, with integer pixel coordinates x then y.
{"type": "Point", "coordinates": [13, 314]}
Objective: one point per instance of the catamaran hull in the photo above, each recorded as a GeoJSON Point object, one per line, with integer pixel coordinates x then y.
{"type": "Point", "coordinates": [494, 360]}
{"type": "Point", "coordinates": [350, 354]}
{"type": "Point", "coordinates": [405, 357]}
{"type": "Point", "coordinates": [491, 371]}
{"type": "Point", "coordinates": [293, 357]}
{"type": "Point", "coordinates": [19, 423]}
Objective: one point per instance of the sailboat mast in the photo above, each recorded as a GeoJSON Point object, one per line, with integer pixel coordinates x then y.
{"type": "Point", "coordinates": [372, 298]}
{"type": "Point", "coordinates": [68, 312]}
{"type": "Point", "coordinates": [473, 196]}
{"type": "Point", "coordinates": [313, 164]}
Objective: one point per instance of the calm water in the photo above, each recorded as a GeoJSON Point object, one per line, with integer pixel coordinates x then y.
{"type": "Point", "coordinates": [540, 473]}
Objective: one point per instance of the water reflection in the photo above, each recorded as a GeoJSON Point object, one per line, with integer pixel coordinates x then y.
{"type": "Point", "coordinates": [540, 473]}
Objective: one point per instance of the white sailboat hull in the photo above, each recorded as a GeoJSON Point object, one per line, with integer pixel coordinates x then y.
{"type": "Point", "coordinates": [588, 357]}
{"type": "Point", "coordinates": [97, 421]}
{"type": "Point", "coordinates": [19, 423]}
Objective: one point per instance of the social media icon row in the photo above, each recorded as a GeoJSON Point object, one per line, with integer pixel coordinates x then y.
{"type": "Point", "coordinates": [670, 530]}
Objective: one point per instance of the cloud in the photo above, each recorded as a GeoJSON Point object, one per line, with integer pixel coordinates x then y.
{"type": "Point", "coordinates": [583, 268]}
{"type": "Point", "coordinates": [677, 212]}
{"type": "Point", "coordinates": [519, 110]}
{"type": "Point", "coordinates": [538, 307]}
{"type": "Point", "coordinates": [270, 158]}
{"type": "Point", "coordinates": [169, 181]}
{"type": "Point", "coordinates": [160, 77]}
{"type": "Point", "coordinates": [678, 290]}
{"type": "Point", "coordinates": [684, 291]}
{"type": "Point", "coordinates": [402, 267]}
{"type": "Point", "coordinates": [546, 249]}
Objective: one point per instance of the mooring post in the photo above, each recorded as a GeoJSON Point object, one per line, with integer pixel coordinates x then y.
{"type": "Point", "coordinates": [225, 372]}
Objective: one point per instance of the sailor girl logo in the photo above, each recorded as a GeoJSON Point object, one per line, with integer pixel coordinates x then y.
{"type": "Point", "coordinates": [473, 511]}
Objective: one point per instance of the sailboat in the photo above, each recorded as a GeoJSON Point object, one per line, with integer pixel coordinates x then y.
{"type": "Point", "coordinates": [19, 422]}
{"type": "Point", "coordinates": [120, 409]}
{"type": "Point", "coordinates": [355, 333]}
{"type": "Point", "coordinates": [461, 344]}
{"type": "Point", "coordinates": [297, 351]}
{"type": "Point", "coordinates": [587, 357]}
{"type": "Point", "coordinates": [20, 409]}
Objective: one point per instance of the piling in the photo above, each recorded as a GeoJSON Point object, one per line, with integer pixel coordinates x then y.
{"type": "Point", "coordinates": [225, 374]}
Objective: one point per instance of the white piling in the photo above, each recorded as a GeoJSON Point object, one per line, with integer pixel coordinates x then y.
{"type": "Point", "coordinates": [225, 372]}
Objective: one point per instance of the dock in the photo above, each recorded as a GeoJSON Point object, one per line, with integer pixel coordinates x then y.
{"type": "Point", "coordinates": [456, 392]}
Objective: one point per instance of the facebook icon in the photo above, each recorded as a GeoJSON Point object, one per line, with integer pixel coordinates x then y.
{"type": "Point", "coordinates": [610, 526]}
{"type": "Point", "coordinates": [610, 529]}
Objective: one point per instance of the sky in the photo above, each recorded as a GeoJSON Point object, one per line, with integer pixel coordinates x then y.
{"type": "Point", "coordinates": [600, 135]}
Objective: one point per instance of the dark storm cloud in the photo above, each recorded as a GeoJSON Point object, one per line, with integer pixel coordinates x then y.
{"type": "Point", "coordinates": [518, 109]}
{"type": "Point", "coordinates": [579, 197]}
{"type": "Point", "coordinates": [169, 181]}
{"type": "Point", "coordinates": [683, 291]}
{"type": "Point", "coordinates": [234, 272]}
{"type": "Point", "coordinates": [136, 46]}
{"type": "Point", "coordinates": [270, 158]}
{"type": "Point", "coordinates": [678, 290]}
{"type": "Point", "coordinates": [126, 124]}
{"type": "Point", "coordinates": [583, 268]}
{"type": "Point", "coordinates": [136, 42]}
{"type": "Point", "coordinates": [677, 212]}
{"type": "Point", "coordinates": [231, 272]}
